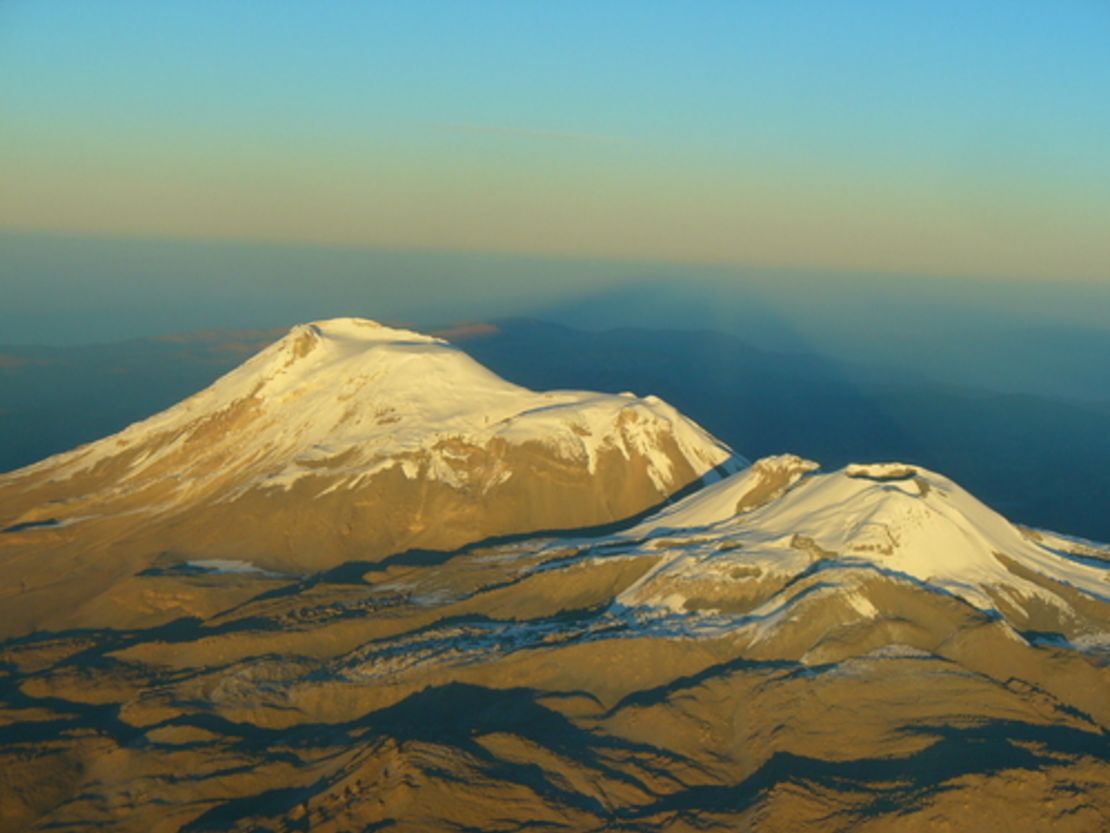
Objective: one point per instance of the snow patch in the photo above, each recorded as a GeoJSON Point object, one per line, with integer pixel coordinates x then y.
{"type": "Point", "coordinates": [228, 566]}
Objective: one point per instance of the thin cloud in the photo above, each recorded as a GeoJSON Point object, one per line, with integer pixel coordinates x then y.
{"type": "Point", "coordinates": [527, 133]}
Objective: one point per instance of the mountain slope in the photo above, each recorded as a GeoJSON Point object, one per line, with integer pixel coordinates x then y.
{"type": "Point", "coordinates": [891, 520]}
{"type": "Point", "coordinates": [864, 649]}
{"type": "Point", "coordinates": [869, 648]}
{"type": "Point", "coordinates": [794, 564]}
{"type": "Point", "coordinates": [347, 439]}
{"type": "Point", "coordinates": [1043, 462]}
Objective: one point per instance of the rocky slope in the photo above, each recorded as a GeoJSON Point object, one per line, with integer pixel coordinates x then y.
{"type": "Point", "coordinates": [344, 440]}
{"type": "Point", "coordinates": [867, 649]}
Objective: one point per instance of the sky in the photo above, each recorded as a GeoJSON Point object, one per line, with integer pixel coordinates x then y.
{"type": "Point", "coordinates": [941, 138]}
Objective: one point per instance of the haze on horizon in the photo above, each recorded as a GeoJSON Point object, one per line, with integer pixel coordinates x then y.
{"type": "Point", "coordinates": [912, 138]}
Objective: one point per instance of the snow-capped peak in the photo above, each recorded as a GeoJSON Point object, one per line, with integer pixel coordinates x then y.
{"type": "Point", "coordinates": [362, 330]}
{"type": "Point", "coordinates": [342, 359]}
{"type": "Point", "coordinates": [336, 403]}
{"type": "Point", "coordinates": [893, 520]}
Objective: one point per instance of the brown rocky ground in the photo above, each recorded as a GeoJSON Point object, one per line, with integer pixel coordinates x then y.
{"type": "Point", "coordinates": [497, 688]}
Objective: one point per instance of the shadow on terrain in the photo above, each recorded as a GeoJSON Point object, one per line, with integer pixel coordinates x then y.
{"type": "Point", "coordinates": [1038, 460]}
{"type": "Point", "coordinates": [457, 716]}
{"type": "Point", "coordinates": [897, 784]}
{"type": "Point", "coordinates": [22, 527]}
{"type": "Point", "coordinates": [661, 694]}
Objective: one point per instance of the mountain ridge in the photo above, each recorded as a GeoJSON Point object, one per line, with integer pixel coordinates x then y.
{"type": "Point", "coordinates": [347, 440]}
{"type": "Point", "coordinates": [1040, 462]}
{"type": "Point", "coordinates": [780, 647]}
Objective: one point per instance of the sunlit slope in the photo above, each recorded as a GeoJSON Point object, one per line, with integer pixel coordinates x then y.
{"type": "Point", "coordinates": [818, 536]}
{"type": "Point", "coordinates": [346, 440]}
{"type": "Point", "coordinates": [340, 413]}
{"type": "Point", "coordinates": [865, 649]}
{"type": "Point", "coordinates": [198, 638]}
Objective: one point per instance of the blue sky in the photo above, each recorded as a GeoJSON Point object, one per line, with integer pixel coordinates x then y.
{"type": "Point", "coordinates": [947, 138]}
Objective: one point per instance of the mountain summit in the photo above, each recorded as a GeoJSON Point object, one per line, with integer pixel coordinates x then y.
{"type": "Point", "coordinates": [781, 544]}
